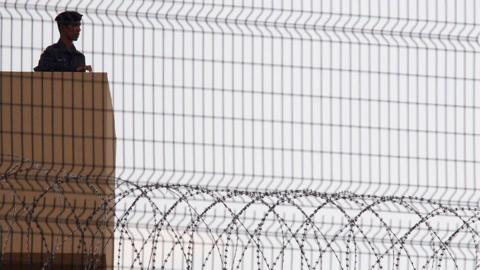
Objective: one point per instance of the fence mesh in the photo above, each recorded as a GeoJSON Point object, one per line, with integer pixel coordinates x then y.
{"type": "Point", "coordinates": [246, 135]}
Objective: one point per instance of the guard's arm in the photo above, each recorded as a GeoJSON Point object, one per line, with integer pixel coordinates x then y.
{"type": "Point", "coordinates": [83, 67]}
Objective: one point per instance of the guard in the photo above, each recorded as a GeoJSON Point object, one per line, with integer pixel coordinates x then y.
{"type": "Point", "coordinates": [63, 56]}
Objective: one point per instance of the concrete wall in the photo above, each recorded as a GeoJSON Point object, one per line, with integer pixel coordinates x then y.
{"type": "Point", "coordinates": [57, 167]}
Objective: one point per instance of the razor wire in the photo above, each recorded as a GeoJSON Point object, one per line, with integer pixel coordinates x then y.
{"type": "Point", "coordinates": [271, 109]}
{"type": "Point", "coordinates": [187, 227]}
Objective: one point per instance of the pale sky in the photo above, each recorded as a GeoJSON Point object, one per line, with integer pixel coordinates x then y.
{"type": "Point", "coordinates": [369, 97]}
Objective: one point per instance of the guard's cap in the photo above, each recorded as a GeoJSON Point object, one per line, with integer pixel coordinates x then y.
{"type": "Point", "coordinates": [68, 17]}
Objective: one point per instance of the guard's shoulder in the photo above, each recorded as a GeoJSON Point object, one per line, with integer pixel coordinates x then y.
{"type": "Point", "coordinates": [77, 51]}
{"type": "Point", "coordinates": [52, 48]}
{"type": "Point", "coordinates": [80, 53]}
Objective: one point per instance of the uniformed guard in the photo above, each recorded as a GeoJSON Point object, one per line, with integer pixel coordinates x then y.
{"type": "Point", "coordinates": [63, 56]}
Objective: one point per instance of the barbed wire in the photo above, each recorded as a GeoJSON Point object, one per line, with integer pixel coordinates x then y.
{"type": "Point", "coordinates": [228, 228]}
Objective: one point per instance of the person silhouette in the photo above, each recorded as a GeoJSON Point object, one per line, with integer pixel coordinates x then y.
{"type": "Point", "coordinates": [63, 56]}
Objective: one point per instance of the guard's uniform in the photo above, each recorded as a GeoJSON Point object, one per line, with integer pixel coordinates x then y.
{"type": "Point", "coordinates": [58, 58]}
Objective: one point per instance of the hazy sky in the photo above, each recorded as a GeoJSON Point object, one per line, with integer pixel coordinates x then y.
{"type": "Point", "coordinates": [376, 97]}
